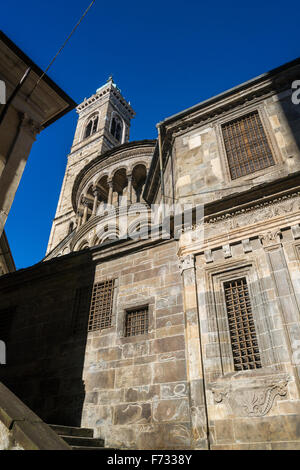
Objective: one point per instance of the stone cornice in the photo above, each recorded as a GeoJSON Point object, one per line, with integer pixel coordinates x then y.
{"type": "Point", "coordinates": [261, 219]}
{"type": "Point", "coordinates": [107, 89]}
{"type": "Point", "coordinates": [269, 83]}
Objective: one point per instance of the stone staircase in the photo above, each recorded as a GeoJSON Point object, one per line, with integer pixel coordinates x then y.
{"type": "Point", "coordinates": [78, 438]}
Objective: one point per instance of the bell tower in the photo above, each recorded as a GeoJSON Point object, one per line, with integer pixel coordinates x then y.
{"type": "Point", "coordinates": [103, 123]}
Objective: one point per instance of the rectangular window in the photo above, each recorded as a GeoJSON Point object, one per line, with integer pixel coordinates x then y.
{"type": "Point", "coordinates": [100, 316]}
{"type": "Point", "coordinates": [241, 325]}
{"type": "Point", "coordinates": [137, 322]}
{"type": "Point", "coordinates": [246, 145]}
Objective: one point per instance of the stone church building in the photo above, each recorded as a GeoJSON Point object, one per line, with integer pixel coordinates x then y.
{"type": "Point", "coordinates": [154, 333]}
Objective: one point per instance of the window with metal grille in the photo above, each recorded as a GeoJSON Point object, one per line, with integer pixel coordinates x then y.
{"type": "Point", "coordinates": [100, 316]}
{"type": "Point", "coordinates": [6, 318]}
{"type": "Point", "coordinates": [241, 325]}
{"type": "Point", "coordinates": [246, 145]}
{"type": "Point", "coordinates": [137, 322]}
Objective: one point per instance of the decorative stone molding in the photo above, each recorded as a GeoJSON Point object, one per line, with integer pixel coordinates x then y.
{"type": "Point", "coordinates": [296, 231]}
{"type": "Point", "coordinates": [246, 246]}
{"type": "Point", "coordinates": [270, 238]}
{"type": "Point", "coordinates": [214, 112]}
{"type": "Point", "coordinates": [186, 262]}
{"type": "Point", "coordinates": [208, 256]}
{"type": "Point", "coordinates": [256, 213]}
{"type": "Point", "coordinates": [227, 251]}
{"type": "Point", "coordinates": [85, 202]}
{"type": "Point", "coordinates": [250, 397]}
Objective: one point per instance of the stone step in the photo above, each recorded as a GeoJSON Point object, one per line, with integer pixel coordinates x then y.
{"type": "Point", "coordinates": [71, 431]}
{"type": "Point", "coordinates": [83, 441]}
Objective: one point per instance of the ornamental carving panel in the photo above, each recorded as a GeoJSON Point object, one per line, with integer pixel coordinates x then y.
{"type": "Point", "coordinates": [252, 398]}
{"type": "Point", "coordinates": [251, 215]}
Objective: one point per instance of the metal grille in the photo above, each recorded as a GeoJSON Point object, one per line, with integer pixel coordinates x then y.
{"type": "Point", "coordinates": [137, 322]}
{"type": "Point", "coordinates": [101, 306]}
{"type": "Point", "coordinates": [246, 146]}
{"type": "Point", "coordinates": [241, 326]}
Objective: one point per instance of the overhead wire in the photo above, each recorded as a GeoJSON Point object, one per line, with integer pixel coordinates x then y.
{"type": "Point", "coordinates": [61, 48]}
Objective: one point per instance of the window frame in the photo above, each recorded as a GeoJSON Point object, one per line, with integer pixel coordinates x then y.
{"type": "Point", "coordinates": [125, 306]}
{"type": "Point", "coordinates": [118, 121]}
{"type": "Point", "coordinates": [92, 117]}
{"type": "Point", "coordinates": [238, 330]}
{"type": "Point", "coordinates": [270, 137]}
{"type": "Point", "coordinates": [217, 312]}
{"type": "Point", "coordinates": [112, 305]}
{"type": "Point", "coordinates": [132, 310]}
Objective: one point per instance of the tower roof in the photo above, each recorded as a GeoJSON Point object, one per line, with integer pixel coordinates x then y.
{"type": "Point", "coordinates": [108, 87]}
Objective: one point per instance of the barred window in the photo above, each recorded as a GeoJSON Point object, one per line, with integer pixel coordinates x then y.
{"type": "Point", "coordinates": [100, 316]}
{"type": "Point", "coordinates": [241, 325]}
{"type": "Point", "coordinates": [6, 318]}
{"type": "Point", "coordinates": [246, 145]}
{"type": "Point", "coordinates": [137, 322]}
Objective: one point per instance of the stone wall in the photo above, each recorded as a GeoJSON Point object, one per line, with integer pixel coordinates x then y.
{"type": "Point", "coordinates": [134, 391]}
{"type": "Point", "coordinates": [44, 359]}
{"type": "Point", "coordinates": [137, 390]}
{"type": "Point", "coordinates": [259, 241]}
{"type": "Point", "coordinates": [201, 171]}
{"type": "Point", "coordinates": [174, 387]}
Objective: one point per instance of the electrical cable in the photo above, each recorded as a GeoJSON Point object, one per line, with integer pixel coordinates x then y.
{"type": "Point", "coordinates": [62, 47]}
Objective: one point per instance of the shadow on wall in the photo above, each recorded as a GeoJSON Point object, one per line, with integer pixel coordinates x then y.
{"type": "Point", "coordinates": [45, 335]}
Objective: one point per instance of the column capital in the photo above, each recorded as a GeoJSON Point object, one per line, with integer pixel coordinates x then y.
{"type": "Point", "coordinates": [95, 191]}
{"type": "Point", "coordinates": [186, 262]}
{"type": "Point", "coordinates": [270, 238]}
{"type": "Point", "coordinates": [85, 201]}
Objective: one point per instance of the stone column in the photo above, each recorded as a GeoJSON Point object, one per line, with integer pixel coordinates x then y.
{"type": "Point", "coordinates": [95, 205]}
{"type": "Point", "coordinates": [85, 210]}
{"type": "Point", "coordinates": [193, 354]}
{"type": "Point", "coordinates": [129, 188]}
{"type": "Point", "coordinates": [79, 218]}
{"type": "Point", "coordinates": [110, 192]}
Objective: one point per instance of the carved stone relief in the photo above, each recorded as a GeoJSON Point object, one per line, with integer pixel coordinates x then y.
{"type": "Point", "coordinates": [251, 397]}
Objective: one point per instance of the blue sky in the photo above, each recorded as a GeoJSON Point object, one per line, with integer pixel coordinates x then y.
{"type": "Point", "coordinates": [164, 55]}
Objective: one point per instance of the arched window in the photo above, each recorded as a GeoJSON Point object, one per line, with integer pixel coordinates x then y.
{"type": "Point", "coordinates": [91, 127]}
{"type": "Point", "coordinates": [116, 128]}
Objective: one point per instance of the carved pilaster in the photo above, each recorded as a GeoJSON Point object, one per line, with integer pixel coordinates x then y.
{"type": "Point", "coordinates": [186, 262]}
